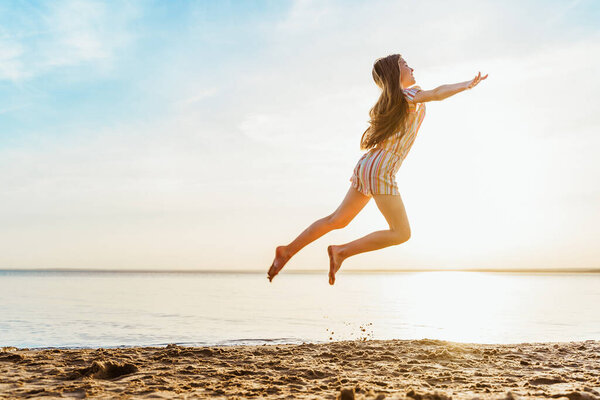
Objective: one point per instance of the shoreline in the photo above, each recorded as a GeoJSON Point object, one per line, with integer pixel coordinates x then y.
{"type": "Point", "coordinates": [271, 342]}
{"type": "Point", "coordinates": [395, 369]}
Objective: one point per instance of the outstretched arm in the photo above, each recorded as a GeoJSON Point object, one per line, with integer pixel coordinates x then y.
{"type": "Point", "coordinates": [445, 91]}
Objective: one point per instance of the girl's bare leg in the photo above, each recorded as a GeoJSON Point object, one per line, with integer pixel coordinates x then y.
{"type": "Point", "coordinates": [392, 208]}
{"type": "Point", "coordinates": [348, 209]}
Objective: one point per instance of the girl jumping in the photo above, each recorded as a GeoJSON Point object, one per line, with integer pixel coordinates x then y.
{"type": "Point", "coordinates": [395, 121]}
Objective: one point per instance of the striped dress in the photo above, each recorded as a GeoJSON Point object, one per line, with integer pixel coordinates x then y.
{"type": "Point", "coordinates": [375, 171]}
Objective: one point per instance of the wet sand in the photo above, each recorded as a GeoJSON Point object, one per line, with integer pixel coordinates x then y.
{"type": "Point", "coordinates": [392, 369]}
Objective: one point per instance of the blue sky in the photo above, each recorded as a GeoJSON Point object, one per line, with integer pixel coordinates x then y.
{"type": "Point", "coordinates": [160, 134]}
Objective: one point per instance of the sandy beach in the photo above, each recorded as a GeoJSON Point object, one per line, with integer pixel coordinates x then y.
{"type": "Point", "coordinates": [372, 369]}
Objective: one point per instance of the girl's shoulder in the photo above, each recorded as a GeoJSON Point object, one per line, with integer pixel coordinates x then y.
{"type": "Point", "coordinates": [411, 92]}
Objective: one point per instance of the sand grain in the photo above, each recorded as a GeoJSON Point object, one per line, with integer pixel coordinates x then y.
{"type": "Point", "coordinates": [396, 369]}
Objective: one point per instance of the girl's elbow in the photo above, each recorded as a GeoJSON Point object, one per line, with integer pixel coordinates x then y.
{"type": "Point", "coordinates": [437, 95]}
{"type": "Point", "coordinates": [428, 95]}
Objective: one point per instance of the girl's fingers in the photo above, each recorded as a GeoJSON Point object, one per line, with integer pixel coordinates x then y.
{"type": "Point", "coordinates": [478, 78]}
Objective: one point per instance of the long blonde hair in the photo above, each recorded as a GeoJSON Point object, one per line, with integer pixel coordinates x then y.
{"type": "Point", "coordinates": [389, 115]}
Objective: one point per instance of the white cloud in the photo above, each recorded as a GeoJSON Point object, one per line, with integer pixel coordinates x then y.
{"type": "Point", "coordinates": [198, 96]}
{"type": "Point", "coordinates": [68, 33]}
{"type": "Point", "coordinates": [10, 64]}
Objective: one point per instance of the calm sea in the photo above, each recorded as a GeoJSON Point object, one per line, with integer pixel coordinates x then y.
{"type": "Point", "coordinates": [106, 309]}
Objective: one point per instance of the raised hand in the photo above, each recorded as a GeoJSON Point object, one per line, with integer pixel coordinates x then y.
{"type": "Point", "coordinates": [476, 80]}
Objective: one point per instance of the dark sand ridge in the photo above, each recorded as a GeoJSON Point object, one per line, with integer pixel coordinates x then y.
{"type": "Point", "coordinates": [396, 369]}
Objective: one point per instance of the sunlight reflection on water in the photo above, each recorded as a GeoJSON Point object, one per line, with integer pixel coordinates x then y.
{"type": "Point", "coordinates": [112, 309]}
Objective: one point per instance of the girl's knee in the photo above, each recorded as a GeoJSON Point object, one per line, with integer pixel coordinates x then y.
{"type": "Point", "coordinates": [401, 236]}
{"type": "Point", "coordinates": [337, 222]}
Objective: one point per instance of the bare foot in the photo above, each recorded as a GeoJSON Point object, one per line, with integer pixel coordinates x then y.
{"type": "Point", "coordinates": [281, 258]}
{"type": "Point", "coordinates": [335, 262]}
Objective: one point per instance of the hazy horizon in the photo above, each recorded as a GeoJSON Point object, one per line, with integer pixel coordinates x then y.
{"type": "Point", "coordinates": [316, 271]}
{"type": "Point", "coordinates": [153, 135]}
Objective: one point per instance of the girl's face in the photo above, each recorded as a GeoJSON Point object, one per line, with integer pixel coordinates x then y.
{"type": "Point", "coordinates": [406, 74]}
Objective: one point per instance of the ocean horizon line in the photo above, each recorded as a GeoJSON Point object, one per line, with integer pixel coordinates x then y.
{"type": "Point", "coordinates": [306, 271]}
